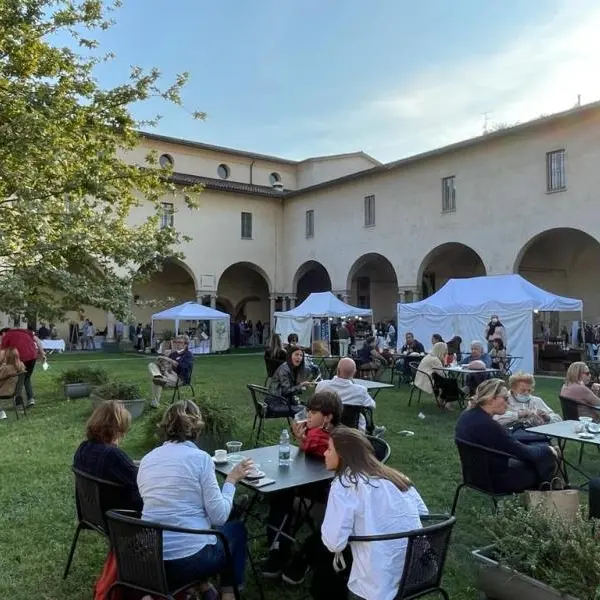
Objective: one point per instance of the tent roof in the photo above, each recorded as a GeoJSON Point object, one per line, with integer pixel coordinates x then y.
{"type": "Point", "coordinates": [324, 304]}
{"type": "Point", "coordinates": [502, 293]}
{"type": "Point", "coordinates": [190, 311]}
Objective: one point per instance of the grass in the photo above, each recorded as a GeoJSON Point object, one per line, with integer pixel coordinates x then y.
{"type": "Point", "coordinates": [36, 496]}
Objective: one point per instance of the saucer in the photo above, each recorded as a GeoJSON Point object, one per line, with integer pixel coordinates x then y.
{"type": "Point", "coordinates": [586, 436]}
{"type": "Point", "coordinates": [219, 462]}
{"type": "Point", "coordinates": [255, 475]}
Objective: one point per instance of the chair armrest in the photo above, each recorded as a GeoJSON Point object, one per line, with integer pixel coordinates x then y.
{"type": "Point", "coordinates": [448, 521]}
{"type": "Point", "coordinates": [486, 449]}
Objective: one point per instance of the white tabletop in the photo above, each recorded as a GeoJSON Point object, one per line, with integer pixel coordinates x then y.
{"type": "Point", "coordinates": [564, 430]}
{"type": "Point", "coordinates": [53, 345]}
{"type": "Point", "coordinates": [372, 385]}
{"type": "Point", "coordinates": [468, 371]}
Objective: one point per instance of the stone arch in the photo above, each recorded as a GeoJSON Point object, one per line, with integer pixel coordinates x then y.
{"type": "Point", "coordinates": [372, 283]}
{"type": "Point", "coordinates": [451, 260]}
{"type": "Point", "coordinates": [564, 261]}
{"type": "Point", "coordinates": [310, 277]}
{"type": "Point", "coordinates": [243, 289]}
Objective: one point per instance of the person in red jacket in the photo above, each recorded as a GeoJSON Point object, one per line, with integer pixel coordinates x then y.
{"type": "Point", "coordinates": [29, 348]}
{"type": "Point", "coordinates": [312, 435]}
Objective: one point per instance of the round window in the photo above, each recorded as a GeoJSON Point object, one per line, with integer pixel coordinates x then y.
{"type": "Point", "coordinates": [223, 171]}
{"type": "Point", "coordinates": [166, 161]}
{"type": "Point", "coordinates": [274, 178]}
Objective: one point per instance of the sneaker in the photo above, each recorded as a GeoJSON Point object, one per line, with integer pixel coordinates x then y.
{"type": "Point", "coordinates": [154, 404]}
{"type": "Point", "coordinates": [30, 403]}
{"type": "Point", "coordinates": [271, 569]}
{"type": "Point", "coordinates": [159, 380]}
{"type": "Point", "coordinates": [379, 431]}
{"type": "Point", "coordinates": [295, 572]}
{"type": "Point", "coordinates": [3, 415]}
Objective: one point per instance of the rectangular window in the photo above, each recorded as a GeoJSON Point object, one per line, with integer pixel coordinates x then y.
{"type": "Point", "coordinates": [246, 226]}
{"type": "Point", "coordinates": [167, 215]}
{"type": "Point", "coordinates": [448, 194]}
{"type": "Point", "coordinates": [369, 211]}
{"type": "Point", "coordinates": [555, 171]}
{"type": "Point", "coordinates": [310, 223]}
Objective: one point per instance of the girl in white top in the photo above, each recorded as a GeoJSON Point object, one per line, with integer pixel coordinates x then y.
{"type": "Point", "coordinates": [367, 498]}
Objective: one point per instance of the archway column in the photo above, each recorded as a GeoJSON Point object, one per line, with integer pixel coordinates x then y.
{"type": "Point", "coordinates": [272, 300]}
{"type": "Point", "coordinates": [409, 294]}
{"type": "Point", "coordinates": [110, 326]}
{"type": "Point", "coordinates": [343, 295]}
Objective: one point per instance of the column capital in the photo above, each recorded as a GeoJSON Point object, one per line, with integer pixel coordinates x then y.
{"type": "Point", "coordinates": [274, 296]}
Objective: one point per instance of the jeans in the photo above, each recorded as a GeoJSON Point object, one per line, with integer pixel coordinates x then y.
{"type": "Point", "coordinates": [29, 367]}
{"type": "Point", "coordinates": [211, 560]}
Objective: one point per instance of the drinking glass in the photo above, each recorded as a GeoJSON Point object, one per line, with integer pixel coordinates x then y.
{"type": "Point", "coordinates": [233, 451]}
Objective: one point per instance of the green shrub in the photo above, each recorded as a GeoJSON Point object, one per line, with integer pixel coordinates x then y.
{"type": "Point", "coordinates": [118, 390]}
{"type": "Point", "coordinates": [564, 555]}
{"type": "Point", "coordinates": [83, 374]}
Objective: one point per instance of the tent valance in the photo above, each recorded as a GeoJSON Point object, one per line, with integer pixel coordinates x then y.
{"type": "Point", "coordinates": [324, 304]}
{"type": "Point", "coordinates": [189, 311]}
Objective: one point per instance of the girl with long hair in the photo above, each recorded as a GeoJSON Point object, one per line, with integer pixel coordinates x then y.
{"type": "Point", "coordinates": [10, 368]}
{"type": "Point", "coordinates": [368, 498]}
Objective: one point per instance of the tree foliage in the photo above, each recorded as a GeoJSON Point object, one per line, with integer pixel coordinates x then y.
{"type": "Point", "coordinates": [66, 193]}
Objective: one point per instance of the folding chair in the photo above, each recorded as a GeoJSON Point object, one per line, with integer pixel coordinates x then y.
{"type": "Point", "coordinates": [180, 383]}
{"type": "Point", "coordinates": [426, 552]}
{"type": "Point", "coordinates": [414, 367]}
{"type": "Point", "coordinates": [17, 395]}
{"type": "Point", "coordinates": [259, 395]}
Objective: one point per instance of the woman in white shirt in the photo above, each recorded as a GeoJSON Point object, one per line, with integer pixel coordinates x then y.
{"type": "Point", "coordinates": [367, 498]}
{"type": "Point", "coordinates": [178, 485]}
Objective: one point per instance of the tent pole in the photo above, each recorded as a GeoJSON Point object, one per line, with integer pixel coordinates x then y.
{"type": "Point", "coordinates": [151, 332]}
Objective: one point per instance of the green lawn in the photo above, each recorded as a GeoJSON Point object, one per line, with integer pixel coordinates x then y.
{"type": "Point", "coordinates": [37, 516]}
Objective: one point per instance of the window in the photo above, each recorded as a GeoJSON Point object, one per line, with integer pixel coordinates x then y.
{"type": "Point", "coordinates": [223, 171]}
{"type": "Point", "coordinates": [310, 223]}
{"type": "Point", "coordinates": [166, 161]}
{"type": "Point", "coordinates": [555, 171]}
{"type": "Point", "coordinates": [369, 211]}
{"type": "Point", "coordinates": [246, 226]}
{"type": "Point", "coordinates": [274, 178]}
{"type": "Point", "coordinates": [167, 215]}
{"type": "Point", "coordinates": [448, 194]}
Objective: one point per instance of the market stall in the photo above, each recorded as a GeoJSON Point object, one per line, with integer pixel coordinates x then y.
{"type": "Point", "coordinates": [215, 338]}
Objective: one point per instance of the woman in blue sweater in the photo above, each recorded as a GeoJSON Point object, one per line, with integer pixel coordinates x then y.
{"type": "Point", "coordinates": [531, 464]}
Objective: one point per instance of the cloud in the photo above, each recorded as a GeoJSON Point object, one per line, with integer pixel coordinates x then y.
{"type": "Point", "coordinates": [540, 71]}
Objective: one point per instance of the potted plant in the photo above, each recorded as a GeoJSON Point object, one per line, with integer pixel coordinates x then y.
{"type": "Point", "coordinates": [538, 556]}
{"type": "Point", "coordinates": [78, 381]}
{"type": "Point", "coordinates": [127, 393]}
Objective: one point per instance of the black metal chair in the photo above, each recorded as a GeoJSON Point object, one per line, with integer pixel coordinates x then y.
{"type": "Point", "coordinates": [414, 367]}
{"type": "Point", "coordinates": [570, 412]}
{"type": "Point", "coordinates": [259, 396]}
{"type": "Point", "coordinates": [179, 384]}
{"type": "Point", "coordinates": [351, 416]}
{"type": "Point", "coordinates": [17, 395]}
{"type": "Point", "coordinates": [476, 471]}
{"type": "Point", "coordinates": [426, 552]}
{"type": "Point", "coordinates": [93, 497]}
{"type": "Point", "coordinates": [138, 547]}
{"type": "Point", "coordinates": [509, 364]}
{"type": "Point", "coordinates": [381, 447]}
{"type": "Point", "coordinates": [271, 365]}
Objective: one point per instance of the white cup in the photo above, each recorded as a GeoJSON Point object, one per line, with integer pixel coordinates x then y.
{"type": "Point", "coordinates": [220, 455]}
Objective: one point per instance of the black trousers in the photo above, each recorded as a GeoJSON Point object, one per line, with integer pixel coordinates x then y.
{"type": "Point", "coordinates": [29, 367]}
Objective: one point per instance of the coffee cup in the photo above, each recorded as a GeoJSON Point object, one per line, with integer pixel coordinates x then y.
{"type": "Point", "coordinates": [220, 455]}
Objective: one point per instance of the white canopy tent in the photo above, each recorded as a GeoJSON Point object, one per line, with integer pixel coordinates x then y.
{"type": "Point", "coordinates": [192, 311]}
{"type": "Point", "coordinates": [463, 307]}
{"type": "Point", "coordinates": [318, 305]}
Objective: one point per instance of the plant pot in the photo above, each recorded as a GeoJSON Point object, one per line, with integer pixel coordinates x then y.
{"type": "Point", "coordinates": [498, 582]}
{"type": "Point", "coordinates": [135, 407]}
{"type": "Point", "coordinates": [77, 390]}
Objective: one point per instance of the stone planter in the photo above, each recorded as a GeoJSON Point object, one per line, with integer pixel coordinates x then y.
{"type": "Point", "coordinates": [501, 583]}
{"type": "Point", "coordinates": [77, 390]}
{"type": "Point", "coordinates": [135, 407]}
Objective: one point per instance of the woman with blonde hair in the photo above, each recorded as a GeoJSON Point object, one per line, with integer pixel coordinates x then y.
{"type": "Point", "coordinates": [531, 464]}
{"type": "Point", "coordinates": [100, 455]}
{"type": "Point", "coordinates": [431, 369]}
{"type": "Point", "coordinates": [179, 487]}
{"type": "Point", "coordinates": [576, 388]}
{"type": "Point", "coordinates": [11, 367]}
{"type": "Point", "coordinates": [368, 498]}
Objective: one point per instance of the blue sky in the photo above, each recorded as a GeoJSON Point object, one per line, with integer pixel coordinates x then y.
{"type": "Point", "coordinates": [299, 78]}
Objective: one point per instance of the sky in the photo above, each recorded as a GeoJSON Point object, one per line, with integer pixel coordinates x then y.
{"type": "Point", "coordinates": [301, 78]}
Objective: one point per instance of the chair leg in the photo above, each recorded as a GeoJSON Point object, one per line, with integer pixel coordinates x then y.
{"type": "Point", "coordinates": [72, 551]}
{"type": "Point", "coordinates": [412, 389]}
{"type": "Point", "coordinates": [580, 453]}
{"type": "Point", "coordinates": [456, 495]}
{"type": "Point", "coordinates": [256, 575]}
{"type": "Point", "coordinates": [443, 593]}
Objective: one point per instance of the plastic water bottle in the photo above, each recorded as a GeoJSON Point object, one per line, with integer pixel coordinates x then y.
{"type": "Point", "coordinates": [284, 449]}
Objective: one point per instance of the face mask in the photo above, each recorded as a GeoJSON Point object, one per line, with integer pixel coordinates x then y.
{"type": "Point", "coordinates": [181, 351]}
{"type": "Point", "coordinates": [524, 398]}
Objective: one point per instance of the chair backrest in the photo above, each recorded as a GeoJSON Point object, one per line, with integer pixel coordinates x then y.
{"type": "Point", "coordinates": [20, 379]}
{"type": "Point", "coordinates": [351, 415]}
{"type": "Point", "coordinates": [570, 409]}
{"type": "Point", "coordinates": [381, 447]}
{"type": "Point", "coordinates": [426, 552]}
{"type": "Point", "coordinates": [272, 364]}
{"type": "Point", "coordinates": [258, 394]}
{"type": "Point", "coordinates": [138, 547]}
{"type": "Point", "coordinates": [476, 465]}
{"type": "Point", "coordinates": [93, 497]}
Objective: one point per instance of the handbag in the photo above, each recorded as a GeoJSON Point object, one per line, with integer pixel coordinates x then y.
{"type": "Point", "coordinates": [562, 503]}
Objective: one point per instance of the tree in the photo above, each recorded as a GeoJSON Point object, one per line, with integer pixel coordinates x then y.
{"type": "Point", "coordinates": [66, 193]}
